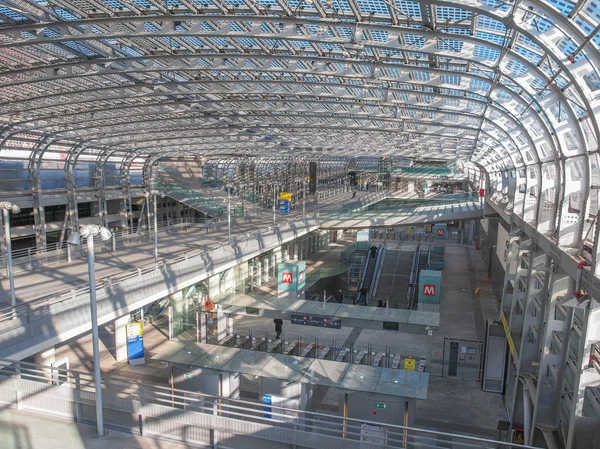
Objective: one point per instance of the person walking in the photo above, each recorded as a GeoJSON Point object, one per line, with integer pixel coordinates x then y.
{"type": "Point", "coordinates": [278, 327]}
{"type": "Point", "coordinates": [354, 194]}
{"type": "Point", "coordinates": [373, 251]}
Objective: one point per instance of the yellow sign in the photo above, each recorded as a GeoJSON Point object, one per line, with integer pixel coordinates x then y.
{"type": "Point", "coordinates": [409, 230]}
{"type": "Point", "coordinates": [511, 344]}
{"type": "Point", "coordinates": [135, 329]}
{"type": "Point", "coordinates": [285, 196]}
{"type": "Point", "coordinates": [410, 364]}
{"type": "Point", "coordinates": [428, 229]}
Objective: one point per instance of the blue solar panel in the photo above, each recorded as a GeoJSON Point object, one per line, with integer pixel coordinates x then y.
{"type": "Point", "coordinates": [372, 6]}
{"type": "Point", "coordinates": [486, 53]}
{"type": "Point", "coordinates": [496, 39]}
{"type": "Point", "coordinates": [11, 14]}
{"type": "Point", "coordinates": [451, 13]}
{"type": "Point", "coordinates": [563, 6]}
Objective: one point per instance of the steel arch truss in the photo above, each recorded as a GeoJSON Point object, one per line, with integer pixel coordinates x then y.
{"type": "Point", "coordinates": [512, 87]}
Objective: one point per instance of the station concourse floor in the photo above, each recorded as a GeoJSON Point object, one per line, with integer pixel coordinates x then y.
{"type": "Point", "coordinates": [453, 405]}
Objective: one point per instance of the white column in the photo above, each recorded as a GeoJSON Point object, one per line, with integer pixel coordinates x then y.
{"type": "Point", "coordinates": [46, 357]}
{"type": "Point", "coordinates": [121, 338]}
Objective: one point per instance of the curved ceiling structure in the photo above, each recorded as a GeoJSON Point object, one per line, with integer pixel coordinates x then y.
{"type": "Point", "coordinates": [511, 86]}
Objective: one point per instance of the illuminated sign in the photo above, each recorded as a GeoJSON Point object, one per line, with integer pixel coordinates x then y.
{"type": "Point", "coordinates": [429, 290]}
{"type": "Point", "coordinates": [286, 277]}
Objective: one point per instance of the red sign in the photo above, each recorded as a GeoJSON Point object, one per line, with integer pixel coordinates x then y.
{"type": "Point", "coordinates": [301, 277]}
{"type": "Point", "coordinates": [286, 277]}
{"type": "Point", "coordinates": [481, 192]}
{"type": "Point", "coordinates": [440, 232]}
{"type": "Point", "coordinates": [429, 290]}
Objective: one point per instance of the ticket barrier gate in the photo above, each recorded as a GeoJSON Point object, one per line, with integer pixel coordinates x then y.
{"type": "Point", "coordinates": [314, 350]}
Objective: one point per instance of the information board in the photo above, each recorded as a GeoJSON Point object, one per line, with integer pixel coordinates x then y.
{"type": "Point", "coordinates": [372, 435]}
{"type": "Point", "coordinates": [276, 414]}
{"type": "Point", "coordinates": [317, 321]}
{"type": "Point", "coordinates": [284, 207]}
{"type": "Point", "coordinates": [135, 342]}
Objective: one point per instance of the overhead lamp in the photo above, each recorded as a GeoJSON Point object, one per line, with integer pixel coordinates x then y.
{"type": "Point", "coordinates": [10, 207]}
{"type": "Point", "coordinates": [89, 231]}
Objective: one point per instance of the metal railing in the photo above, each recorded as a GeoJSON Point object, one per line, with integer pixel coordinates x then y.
{"type": "Point", "coordinates": [33, 257]}
{"type": "Point", "coordinates": [47, 317]}
{"type": "Point", "coordinates": [152, 409]}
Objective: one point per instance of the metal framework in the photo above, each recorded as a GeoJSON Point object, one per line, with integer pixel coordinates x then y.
{"type": "Point", "coordinates": [96, 93]}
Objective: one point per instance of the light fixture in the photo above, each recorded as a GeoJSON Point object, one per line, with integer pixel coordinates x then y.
{"type": "Point", "coordinates": [87, 231]}
{"type": "Point", "coordinates": [105, 234]}
{"type": "Point", "coordinates": [74, 239]}
{"type": "Point", "coordinates": [10, 207]}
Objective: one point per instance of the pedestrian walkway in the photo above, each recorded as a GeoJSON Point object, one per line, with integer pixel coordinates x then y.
{"type": "Point", "coordinates": [41, 281]}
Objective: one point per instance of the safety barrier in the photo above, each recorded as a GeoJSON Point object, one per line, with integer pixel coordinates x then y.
{"type": "Point", "coordinates": [155, 410]}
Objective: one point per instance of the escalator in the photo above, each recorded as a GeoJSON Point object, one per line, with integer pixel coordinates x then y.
{"type": "Point", "coordinates": [422, 265]}
{"type": "Point", "coordinates": [355, 263]}
{"type": "Point", "coordinates": [369, 278]}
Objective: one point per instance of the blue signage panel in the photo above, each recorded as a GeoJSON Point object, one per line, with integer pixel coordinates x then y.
{"type": "Point", "coordinates": [291, 276]}
{"type": "Point", "coordinates": [135, 341]}
{"type": "Point", "coordinates": [267, 400]}
{"type": "Point", "coordinates": [284, 207]}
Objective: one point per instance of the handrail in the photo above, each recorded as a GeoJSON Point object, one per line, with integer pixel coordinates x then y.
{"type": "Point", "coordinates": [413, 277]}
{"type": "Point", "coordinates": [377, 272]}
{"type": "Point", "coordinates": [128, 395]}
{"type": "Point", "coordinates": [362, 278]}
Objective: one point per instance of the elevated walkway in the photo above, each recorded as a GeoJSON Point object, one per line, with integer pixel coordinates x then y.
{"type": "Point", "coordinates": [365, 317]}
{"type": "Point", "coordinates": [405, 211]}
{"type": "Point", "coordinates": [44, 322]}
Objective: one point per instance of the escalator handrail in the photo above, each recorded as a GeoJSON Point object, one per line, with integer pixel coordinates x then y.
{"type": "Point", "coordinates": [377, 272]}
{"type": "Point", "coordinates": [413, 276]}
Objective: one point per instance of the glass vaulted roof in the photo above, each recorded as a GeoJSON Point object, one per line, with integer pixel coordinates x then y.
{"type": "Point", "coordinates": [502, 84]}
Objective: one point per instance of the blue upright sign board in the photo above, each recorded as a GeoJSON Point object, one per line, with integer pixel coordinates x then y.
{"type": "Point", "coordinates": [284, 207]}
{"type": "Point", "coordinates": [135, 343]}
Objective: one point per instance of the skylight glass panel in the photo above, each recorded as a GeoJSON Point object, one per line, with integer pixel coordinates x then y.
{"type": "Point", "coordinates": [372, 6]}
{"type": "Point", "coordinates": [486, 53]}
{"type": "Point", "coordinates": [592, 8]}
{"type": "Point", "coordinates": [451, 45]}
{"type": "Point", "coordinates": [409, 8]}
{"type": "Point", "coordinates": [563, 6]}
{"type": "Point", "coordinates": [378, 35]}
{"type": "Point", "coordinates": [528, 54]}
{"type": "Point", "coordinates": [454, 30]}
{"type": "Point", "coordinates": [516, 68]}
{"type": "Point", "coordinates": [488, 23]}
{"type": "Point", "coordinates": [414, 39]}
{"type": "Point", "coordinates": [145, 4]}
{"type": "Point", "coordinates": [495, 38]}
{"type": "Point", "coordinates": [451, 13]}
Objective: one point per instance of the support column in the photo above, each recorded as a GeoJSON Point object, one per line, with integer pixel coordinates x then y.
{"type": "Point", "coordinates": [46, 357]}
{"type": "Point", "coordinates": [121, 338]}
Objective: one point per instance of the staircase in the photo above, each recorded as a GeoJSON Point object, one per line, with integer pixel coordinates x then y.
{"type": "Point", "coordinates": [394, 278]}
{"type": "Point", "coordinates": [423, 256]}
